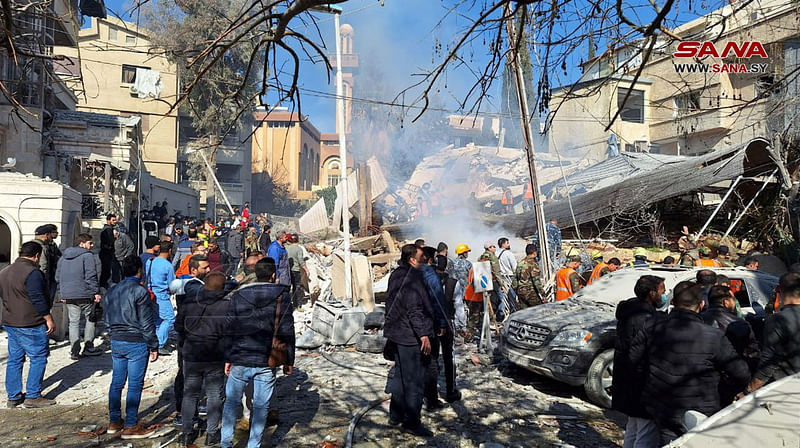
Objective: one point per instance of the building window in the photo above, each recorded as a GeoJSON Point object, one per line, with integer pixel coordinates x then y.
{"type": "Point", "coordinates": [633, 109]}
{"type": "Point", "coordinates": [112, 33]}
{"type": "Point", "coordinates": [765, 86]}
{"type": "Point", "coordinates": [129, 73]}
{"type": "Point", "coordinates": [333, 180]}
{"type": "Point", "coordinates": [688, 102]}
{"type": "Point", "coordinates": [131, 40]}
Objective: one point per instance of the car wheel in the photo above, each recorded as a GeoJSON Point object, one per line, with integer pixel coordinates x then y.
{"type": "Point", "coordinates": [598, 379]}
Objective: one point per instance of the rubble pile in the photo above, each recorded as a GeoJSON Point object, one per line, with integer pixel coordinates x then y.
{"type": "Point", "coordinates": [484, 171]}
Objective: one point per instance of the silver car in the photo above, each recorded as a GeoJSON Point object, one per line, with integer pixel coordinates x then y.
{"type": "Point", "coordinates": [572, 341]}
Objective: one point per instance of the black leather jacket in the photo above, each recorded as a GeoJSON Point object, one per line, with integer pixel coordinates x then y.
{"type": "Point", "coordinates": [130, 314]}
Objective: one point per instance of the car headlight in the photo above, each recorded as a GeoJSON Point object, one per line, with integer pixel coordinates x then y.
{"type": "Point", "coordinates": [573, 337]}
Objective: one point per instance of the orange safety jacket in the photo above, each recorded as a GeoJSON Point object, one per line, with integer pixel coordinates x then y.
{"type": "Point", "coordinates": [183, 269]}
{"type": "Point", "coordinates": [707, 263]}
{"type": "Point", "coordinates": [528, 194]}
{"type": "Point", "coordinates": [563, 286]}
{"type": "Point", "coordinates": [596, 273]}
{"type": "Point", "coordinates": [507, 199]}
{"type": "Point", "coordinates": [469, 292]}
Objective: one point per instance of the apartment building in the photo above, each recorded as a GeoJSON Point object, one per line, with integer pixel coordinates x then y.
{"type": "Point", "coordinates": [671, 110]}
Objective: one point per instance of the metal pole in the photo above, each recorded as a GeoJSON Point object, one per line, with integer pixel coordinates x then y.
{"type": "Point", "coordinates": [741, 214]}
{"type": "Point", "coordinates": [716, 210]}
{"type": "Point", "coordinates": [522, 99]}
{"type": "Point", "coordinates": [216, 182]}
{"type": "Point", "coordinates": [340, 108]}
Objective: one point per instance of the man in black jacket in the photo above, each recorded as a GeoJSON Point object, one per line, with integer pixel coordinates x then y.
{"type": "Point", "coordinates": [635, 320]}
{"type": "Point", "coordinates": [130, 317]}
{"type": "Point", "coordinates": [201, 325]}
{"type": "Point", "coordinates": [721, 313]}
{"type": "Point", "coordinates": [408, 328]}
{"type": "Point", "coordinates": [108, 263]}
{"type": "Point", "coordinates": [780, 356]}
{"type": "Point", "coordinates": [686, 359]}
{"type": "Point", "coordinates": [250, 327]}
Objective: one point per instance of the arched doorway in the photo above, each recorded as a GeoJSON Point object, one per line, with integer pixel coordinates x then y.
{"type": "Point", "coordinates": [10, 237]}
{"type": "Point", "coordinates": [5, 244]}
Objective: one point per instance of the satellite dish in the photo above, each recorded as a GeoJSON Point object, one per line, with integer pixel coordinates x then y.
{"type": "Point", "coordinates": [11, 163]}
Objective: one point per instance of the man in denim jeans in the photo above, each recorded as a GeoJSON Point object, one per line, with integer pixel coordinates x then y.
{"type": "Point", "coordinates": [248, 342]}
{"type": "Point", "coordinates": [129, 315]}
{"type": "Point", "coordinates": [27, 320]}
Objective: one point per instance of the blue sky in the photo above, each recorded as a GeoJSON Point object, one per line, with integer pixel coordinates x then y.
{"type": "Point", "coordinates": [400, 38]}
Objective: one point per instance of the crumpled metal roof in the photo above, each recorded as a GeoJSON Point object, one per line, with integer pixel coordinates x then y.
{"type": "Point", "coordinates": [608, 172]}
{"type": "Point", "coordinates": [671, 179]}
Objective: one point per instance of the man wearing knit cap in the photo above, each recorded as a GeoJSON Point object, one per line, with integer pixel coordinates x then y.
{"type": "Point", "coordinates": [45, 234]}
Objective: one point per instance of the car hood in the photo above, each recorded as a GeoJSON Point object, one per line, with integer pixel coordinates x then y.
{"type": "Point", "coordinates": [574, 313]}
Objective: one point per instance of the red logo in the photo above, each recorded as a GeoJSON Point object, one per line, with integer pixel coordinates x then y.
{"type": "Point", "coordinates": [692, 49]}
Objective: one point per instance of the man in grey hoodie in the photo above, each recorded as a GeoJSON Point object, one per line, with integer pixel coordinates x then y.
{"type": "Point", "coordinates": [78, 287]}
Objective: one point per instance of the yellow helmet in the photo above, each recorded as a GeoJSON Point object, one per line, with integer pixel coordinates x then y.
{"type": "Point", "coordinates": [461, 249]}
{"type": "Point", "coordinates": [597, 254]}
{"type": "Point", "coordinates": [640, 252]}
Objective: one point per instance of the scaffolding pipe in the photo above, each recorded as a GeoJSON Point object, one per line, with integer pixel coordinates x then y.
{"type": "Point", "coordinates": [716, 210]}
{"type": "Point", "coordinates": [741, 214]}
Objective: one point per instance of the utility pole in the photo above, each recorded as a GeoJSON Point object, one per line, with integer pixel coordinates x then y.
{"type": "Point", "coordinates": [340, 107]}
{"type": "Point", "coordinates": [527, 134]}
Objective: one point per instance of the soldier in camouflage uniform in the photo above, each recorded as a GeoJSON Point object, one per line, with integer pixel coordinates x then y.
{"type": "Point", "coordinates": [527, 279]}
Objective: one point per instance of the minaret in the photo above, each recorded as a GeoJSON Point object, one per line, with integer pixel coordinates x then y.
{"type": "Point", "coordinates": [349, 68]}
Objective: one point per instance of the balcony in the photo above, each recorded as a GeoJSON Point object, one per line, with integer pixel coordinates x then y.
{"type": "Point", "coordinates": [693, 123]}
{"type": "Point", "coordinates": [66, 23]}
{"type": "Point", "coordinates": [233, 190]}
{"type": "Point", "coordinates": [228, 156]}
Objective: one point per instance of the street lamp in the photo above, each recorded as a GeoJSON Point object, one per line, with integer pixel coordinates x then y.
{"type": "Point", "coordinates": [337, 11]}
{"type": "Point", "coordinates": [213, 176]}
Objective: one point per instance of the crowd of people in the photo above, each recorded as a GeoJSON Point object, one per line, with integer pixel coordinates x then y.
{"type": "Point", "coordinates": [218, 297]}
{"type": "Point", "coordinates": [700, 357]}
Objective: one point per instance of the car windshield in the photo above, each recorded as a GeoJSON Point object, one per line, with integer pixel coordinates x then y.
{"type": "Point", "coordinates": [618, 286]}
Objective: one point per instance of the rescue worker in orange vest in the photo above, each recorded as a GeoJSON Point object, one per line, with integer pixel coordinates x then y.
{"type": "Point", "coordinates": [705, 259]}
{"type": "Point", "coordinates": [507, 200]}
{"type": "Point", "coordinates": [602, 269]}
{"type": "Point", "coordinates": [527, 197]}
{"type": "Point", "coordinates": [568, 282]}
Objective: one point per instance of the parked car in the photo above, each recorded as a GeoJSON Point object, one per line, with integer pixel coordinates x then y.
{"type": "Point", "coordinates": [572, 341]}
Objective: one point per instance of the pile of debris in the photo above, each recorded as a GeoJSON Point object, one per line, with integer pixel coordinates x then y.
{"type": "Point", "coordinates": [484, 171]}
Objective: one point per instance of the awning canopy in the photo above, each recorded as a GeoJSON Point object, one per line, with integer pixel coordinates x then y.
{"type": "Point", "coordinates": [754, 158]}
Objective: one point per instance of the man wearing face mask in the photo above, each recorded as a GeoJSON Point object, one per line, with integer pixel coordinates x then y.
{"type": "Point", "coordinates": [408, 329]}
{"type": "Point", "coordinates": [635, 319]}
{"type": "Point", "coordinates": [686, 360]}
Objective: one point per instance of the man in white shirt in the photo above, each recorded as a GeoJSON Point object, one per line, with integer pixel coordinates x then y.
{"type": "Point", "coordinates": [508, 265]}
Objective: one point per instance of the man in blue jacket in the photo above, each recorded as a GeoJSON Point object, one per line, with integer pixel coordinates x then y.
{"type": "Point", "coordinates": [278, 253]}
{"type": "Point", "coordinates": [249, 329]}
{"type": "Point", "coordinates": [129, 315]}
{"type": "Point", "coordinates": [436, 296]}
{"type": "Point", "coordinates": [78, 287]}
